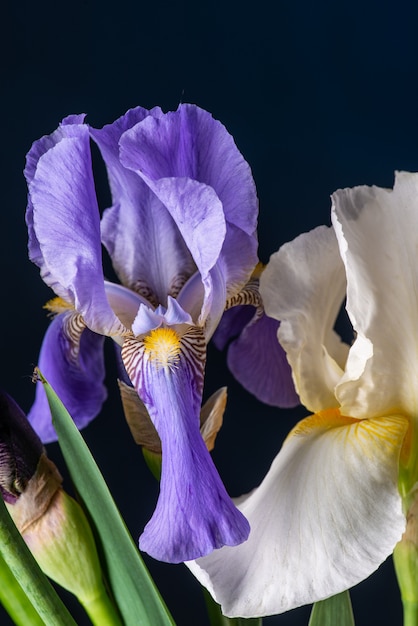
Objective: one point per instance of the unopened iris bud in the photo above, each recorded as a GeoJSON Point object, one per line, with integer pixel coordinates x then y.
{"type": "Point", "coordinates": [52, 523]}
{"type": "Point", "coordinates": [20, 450]}
{"type": "Point", "coordinates": [145, 434]}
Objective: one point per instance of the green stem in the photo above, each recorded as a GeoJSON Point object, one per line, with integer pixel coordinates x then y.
{"type": "Point", "coordinates": [15, 600]}
{"type": "Point", "coordinates": [32, 580]}
{"type": "Point", "coordinates": [101, 611]}
{"type": "Point", "coordinates": [410, 613]}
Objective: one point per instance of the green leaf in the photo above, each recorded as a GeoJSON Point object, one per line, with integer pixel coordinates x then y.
{"type": "Point", "coordinates": [217, 619]}
{"type": "Point", "coordinates": [15, 600]}
{"type": "Point", "coordinates": [32, 581]}
{"type": "Point", "coordinates": [334, 610]}
{"type": "Point", "coordinates": [136, 595]}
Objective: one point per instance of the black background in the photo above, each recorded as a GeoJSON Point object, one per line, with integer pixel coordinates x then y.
{"type": "Point", "coordinates": [318, 96]}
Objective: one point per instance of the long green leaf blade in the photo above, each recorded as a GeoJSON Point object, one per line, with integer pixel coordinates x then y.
{"type": "Point", "coordinates": [15, 600]}
{"type": "Point", "coordinates": [332, 611]}
{"type": "Point", "coordinates": [136, 595]}
{"type": "Point", "coordinates": [31, 579]}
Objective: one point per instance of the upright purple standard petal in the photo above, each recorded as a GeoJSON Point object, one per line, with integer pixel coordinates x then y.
{"type": "Point", "coordinates": [193, 166]}
{"type": "Point", "coordinates": [75, 369]}
{"type": "Point", "coordinates": [194, 514]}
{"type": "Point", "coordinates": [144, 242]}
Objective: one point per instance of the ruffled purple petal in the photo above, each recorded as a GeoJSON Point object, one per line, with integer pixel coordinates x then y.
{"type": "Point", "coordinates": [64, 224]}
{"type": "Point", "coordinates": [194, 514]}
{"type": "Point", "coordinates": [192, 164]}
{"type": "Point", "coordinates": [259, 363]}
{"type": "Point", "coordinates": [144, 242]}
{"type": "Point", "coordinates": [189, 143]}
{"type": "Point", "coordinates": [38, 149]}
{"type": "Point", "coordinates": [194, 206]}
{"type": "Point", "coordinates": [77, 381]}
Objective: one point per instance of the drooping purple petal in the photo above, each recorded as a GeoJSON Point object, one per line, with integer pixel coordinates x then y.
{"type": "Point", "coordinates": [259, 363]}
{"type": "Point", "coordinates": [194, 514]}
{"type": "Point", "coordinates": [75, 372]}
{"type": "Point", "coordinates": [64, 224]}
{"type": "Point", "coordinates": [20, 449]}
{"type": "Point", "coordinates": [146, 247]}
{"type": "Point", "coordinates": [233, 322]}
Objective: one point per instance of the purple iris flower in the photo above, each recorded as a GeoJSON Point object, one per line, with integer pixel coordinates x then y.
{"type": "Point", "coordinates": [181, 236]}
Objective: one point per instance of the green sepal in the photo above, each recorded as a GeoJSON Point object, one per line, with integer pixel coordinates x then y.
{"type": "Point", "coordinates": [135, 593]}
{"type": "Point", "coordinates": [29, 576]}
{"type": "Point", "coordinates": [332, 611]}
{"type": "Point", "coordinates": [217, 619]}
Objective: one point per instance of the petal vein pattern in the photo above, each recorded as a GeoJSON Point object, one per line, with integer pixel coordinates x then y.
{"type": "Point", "coordinates": [194, 514]}
{"type": "Point", "coordinates": [326, 515]}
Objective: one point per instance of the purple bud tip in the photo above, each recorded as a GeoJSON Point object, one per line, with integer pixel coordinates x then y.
{"type": "Point", "coordinates": [20, 449]}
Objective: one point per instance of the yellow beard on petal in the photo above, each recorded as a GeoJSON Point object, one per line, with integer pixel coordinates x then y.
{"type": "Point", "coordinates": [163, 346]}
{"type": "Point", "coordinates": [385, 433]}
{"type": "Point", "coordinates": [323, 420]}
{"type": "Point", "coordinates": [58, 305]}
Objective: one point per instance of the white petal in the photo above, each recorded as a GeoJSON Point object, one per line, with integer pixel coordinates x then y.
{"type": "Point", "coordinates": [327, 514]}
{"type": "Point", "coordinates": [377, 230]}
{"type": "Point", "coordinates": [303, 286]}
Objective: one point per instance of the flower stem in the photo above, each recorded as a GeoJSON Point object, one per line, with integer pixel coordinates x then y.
{"type": "Point", "coordinates": [410, 613]}
{"type": "Point", "coordinates": [101, 611]}
{"type": "Point", "coordinates": [405, 560]}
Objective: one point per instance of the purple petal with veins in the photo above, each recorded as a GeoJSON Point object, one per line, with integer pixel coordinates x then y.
{"type": "Point", "coordinates": [77, 381]}
{"type": "Point", "coordinates": [194, 514]}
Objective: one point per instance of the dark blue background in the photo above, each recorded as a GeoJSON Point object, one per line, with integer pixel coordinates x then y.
{"type": "Point", "coordinates": [317, 95]}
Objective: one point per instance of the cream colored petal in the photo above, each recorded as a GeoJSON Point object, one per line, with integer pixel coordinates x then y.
{"type": "Point", "coordinates": [327, 514]}
{"type": "Point", "coordinates": [377, 230]}
{"type": "Point", "coordinates": [303, 286]}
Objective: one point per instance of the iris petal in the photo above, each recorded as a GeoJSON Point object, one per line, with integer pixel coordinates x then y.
{"type": "Point", "coordinates": [145, 245]}
{"type": "Point", "coordinates": [194, 514]}
{"type": "Point", "coordinates": [75, 371]}
{"type": "Point", "coordinates": [191, 163]}
{"type": "Point", "coordinates": [327, 514]}
{"type": "Point", "coordinates": [258, 362]}
{"type": "Point", "coordinates": [64, 225]}
{"type": "Point", "coordinates": [377, 230]}
{"type": "Point", "coordinates": [303, 287]}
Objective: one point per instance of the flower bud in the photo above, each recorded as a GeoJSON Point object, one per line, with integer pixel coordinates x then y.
{"type": "Point", "coordinates": [52, 523]}
{"type": "Point", "coordinates": [20, 450]}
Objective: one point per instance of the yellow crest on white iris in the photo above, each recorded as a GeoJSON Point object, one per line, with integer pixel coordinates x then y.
{"type": "Point", "coordinates": [332, 507]}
